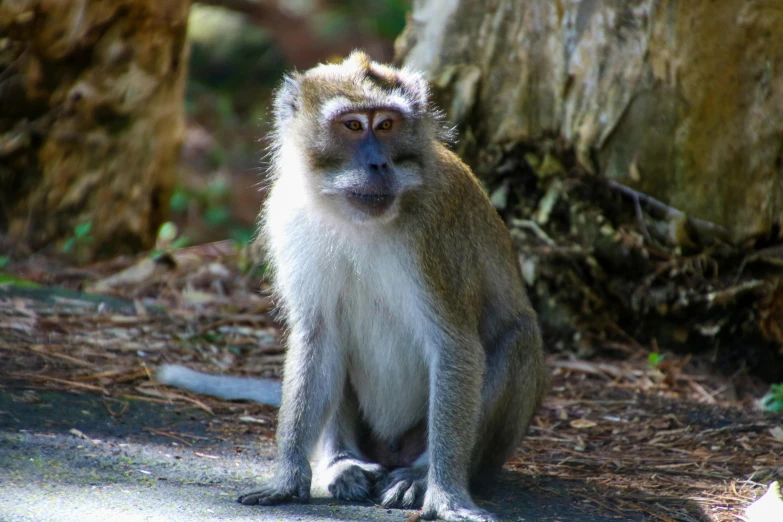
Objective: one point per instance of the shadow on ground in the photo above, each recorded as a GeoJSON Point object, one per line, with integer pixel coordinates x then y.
{"type": "Point", "coordinates": [68, 457]}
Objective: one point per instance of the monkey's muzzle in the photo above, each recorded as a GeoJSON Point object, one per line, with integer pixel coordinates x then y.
{"type": "Point", "coordinates": [371, 203]}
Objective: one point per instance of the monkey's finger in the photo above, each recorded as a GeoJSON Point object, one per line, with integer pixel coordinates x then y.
{"type": "Point", "coordinates": [354, 483]}
{"type": "Point", "coordinates": [265, 497]}
{"type": "Point", "coordinates": [303, 492]}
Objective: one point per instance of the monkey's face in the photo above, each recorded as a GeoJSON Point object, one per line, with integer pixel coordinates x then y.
{"type": "Point", "coordinates": [367, 162]}
{"type": "Point", "coordinates": [364, 133]}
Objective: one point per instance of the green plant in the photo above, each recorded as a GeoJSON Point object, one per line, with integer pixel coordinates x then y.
{"type": "Point", "coordinates": [655, 359]}
{"type": "Point", "coordinates": [81, 236]}
{"type": "Point", "coordinates": [168, 240]}
{"type": "Point", "coordinates": [4, 261]}
{"type": "Point", "coordinates": [773, 400]}
{"type": "Point", "coordinates": [9, 279]}
{"type": "Point", "coordinates": [180, 200]}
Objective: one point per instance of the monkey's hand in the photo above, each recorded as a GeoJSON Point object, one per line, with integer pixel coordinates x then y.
{"type": "Point", "coordinates": [352, 479]}
{"type": "Point", "coordinates": [452, 508]}
{"type": "Point", "coordinates": [286, 485]}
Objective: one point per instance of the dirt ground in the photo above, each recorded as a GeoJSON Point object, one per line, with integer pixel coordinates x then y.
{"type": "Point", "coordinates": [85, 432]}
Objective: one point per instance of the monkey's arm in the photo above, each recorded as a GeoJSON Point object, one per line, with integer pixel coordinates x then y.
{"type": "Point", "coordinates": [313, 377]}
{"type": "Point", "coordinates": [262, 391]}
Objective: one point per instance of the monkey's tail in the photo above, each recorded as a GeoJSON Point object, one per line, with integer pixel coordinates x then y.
{"type": "Point", "coordinates": [263, 391]}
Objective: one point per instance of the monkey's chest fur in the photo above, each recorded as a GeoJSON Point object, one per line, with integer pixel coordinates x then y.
{"type": "Point", "coordinates": [370, 302]}
{"type": "Point", "coordinates": [387, 364]}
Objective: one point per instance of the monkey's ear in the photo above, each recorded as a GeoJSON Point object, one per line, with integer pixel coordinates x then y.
{"type": "Point", "coordinates": [287, 98]}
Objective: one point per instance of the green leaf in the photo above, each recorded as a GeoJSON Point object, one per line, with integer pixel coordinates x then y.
{"type": "Point", "coordinates": [773, 400]}
{"type": "Point", "coordinates": [180, 242]}
{"type": "Point", "coordinates": [167, 232]}
{"type": "Point", "coordinates": [242, 236]}
{"type": "Point", "coordinates": [218, 187]}
{"type": "Point", "coordinates": [217, 215]}
{"type": "Point", "coordinates": [9, 279]}
{"type": "Point", "coordinates": [4, 261]}
{"type": "Point", "coordinates": [82, 230]}
{"type": "Point", "coordinates": [180, 201]}
{"type": "Point", "coordinates": [655, 359]}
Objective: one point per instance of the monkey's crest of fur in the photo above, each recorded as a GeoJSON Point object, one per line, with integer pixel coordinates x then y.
{"type": "Point", "coordinates": [359, 83]}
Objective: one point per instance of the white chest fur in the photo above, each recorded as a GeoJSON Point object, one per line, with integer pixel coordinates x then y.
{"type": "Point", "coordinates": [363, 284]}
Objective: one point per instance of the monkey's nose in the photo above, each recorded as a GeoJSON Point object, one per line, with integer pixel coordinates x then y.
{"type": "Point", "coordinates": [379, 167]}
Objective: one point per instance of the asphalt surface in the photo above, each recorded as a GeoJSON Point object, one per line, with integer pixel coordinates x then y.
{"type": "Point", "coordinates": [64, 458]}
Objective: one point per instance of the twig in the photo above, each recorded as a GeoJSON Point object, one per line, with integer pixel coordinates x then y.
{"type": "Point", "coordinates": [167, 434]}
{"type": "Point", "coordinates": [563, 251]}
{"type": "Point", "coordinates": [669, 471]}
{"type": "Point", "coordinates": [172, 396]}
{"type": "Point", "coordinates": [704, 394]}
{"type": "Point", "coordinates": [705, 229]}
{"type": "Point", "coordinates": [533, 227]}
{"type": "Point", "coordinates": [414, 517]}
{"type": "Point", "coordinates": [39, 349]}
{"type": "Point", "coordinates": [115, 376]}
{"type": "Point", "coordinates": [640, 218]}
{"type": "Point", "coordinates": [112, 412]}
{"type": "Point", "coordinates": [738, 428]}
{"type": "Point", "coordinates": [46, 378]}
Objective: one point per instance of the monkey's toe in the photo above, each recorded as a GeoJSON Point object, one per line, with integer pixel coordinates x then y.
{"type": "Point", "coordinates": [264, 497]}
{"type": "Point", "coordinates": [453, 508]}
{"type": "Point", "coordinates": [461, 515]}
{"type": "Point", "coordinates": [403, 488]}
{"type": "Point", "coordinates": [354, 482]}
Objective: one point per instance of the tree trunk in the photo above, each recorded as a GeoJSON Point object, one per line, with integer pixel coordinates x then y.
{"type": "Point", "coordinates": [677, 106]}
{"type": "Point", "coordinates": [91, 122]}
{"type": "Point", "coordinates": [681, 100]}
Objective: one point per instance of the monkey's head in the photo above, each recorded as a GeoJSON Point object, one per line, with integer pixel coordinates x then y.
{"type": "Point", "coordinates": [362, 133]}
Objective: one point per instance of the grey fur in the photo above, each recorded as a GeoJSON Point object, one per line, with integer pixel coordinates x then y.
{"type": "Point", "coordinates": [263, 391]}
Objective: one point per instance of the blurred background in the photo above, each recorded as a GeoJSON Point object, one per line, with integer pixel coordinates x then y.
{"type": "Point", "coordinates": [238, 54]}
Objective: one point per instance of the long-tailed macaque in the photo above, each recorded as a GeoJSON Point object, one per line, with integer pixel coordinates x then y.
{"type": "Point", "coordinates": [414, 360]}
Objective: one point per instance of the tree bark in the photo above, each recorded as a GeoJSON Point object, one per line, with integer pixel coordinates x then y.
{"type": "Point", "coordinates": [681, 100]}
{"type": "Point", "coordinates": [92, 121]}
{"type": "Point", "coordinates": [677, 108]}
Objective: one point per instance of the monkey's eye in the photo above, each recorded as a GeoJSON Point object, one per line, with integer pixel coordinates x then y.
{"type": "Point", "coordinates": [354, 125]}
{"type": "Point", "coordinates": [385, 125]}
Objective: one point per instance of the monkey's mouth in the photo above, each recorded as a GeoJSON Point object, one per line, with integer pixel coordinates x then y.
{"type": "Point", "coordinates": [372, 203]}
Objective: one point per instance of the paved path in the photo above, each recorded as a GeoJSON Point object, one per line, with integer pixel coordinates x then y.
{"type": "Point", "coordinates": [120, 470]}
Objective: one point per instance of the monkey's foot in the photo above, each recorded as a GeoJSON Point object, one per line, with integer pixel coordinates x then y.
{"type": "Point", "coordinates": [453, 508]}
{"type": "Point", "coordinates": [403, 488]}
{"type": "Point", "coordinates": [352, 479]}
{"type": "Point", "coordinates": [278, 491]}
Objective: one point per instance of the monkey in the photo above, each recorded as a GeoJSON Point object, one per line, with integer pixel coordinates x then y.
{"type": "Point", "coordinates": [414, 358]}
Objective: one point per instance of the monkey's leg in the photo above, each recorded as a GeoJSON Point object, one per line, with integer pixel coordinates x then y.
{"type": "Point", "coordinates": [342, 468]}
{"type": "Point", "coordinates": [456, 375]}
{"type": "Point", "coordinates": [314, 374]}
{"type": "Point", "coordinates": [515, 380]}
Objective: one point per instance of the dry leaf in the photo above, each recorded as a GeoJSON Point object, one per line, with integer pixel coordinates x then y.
{"type": "Point", "coordinates": [583, 423]}
{"type": "Point", "coordinates": [777, 434]}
